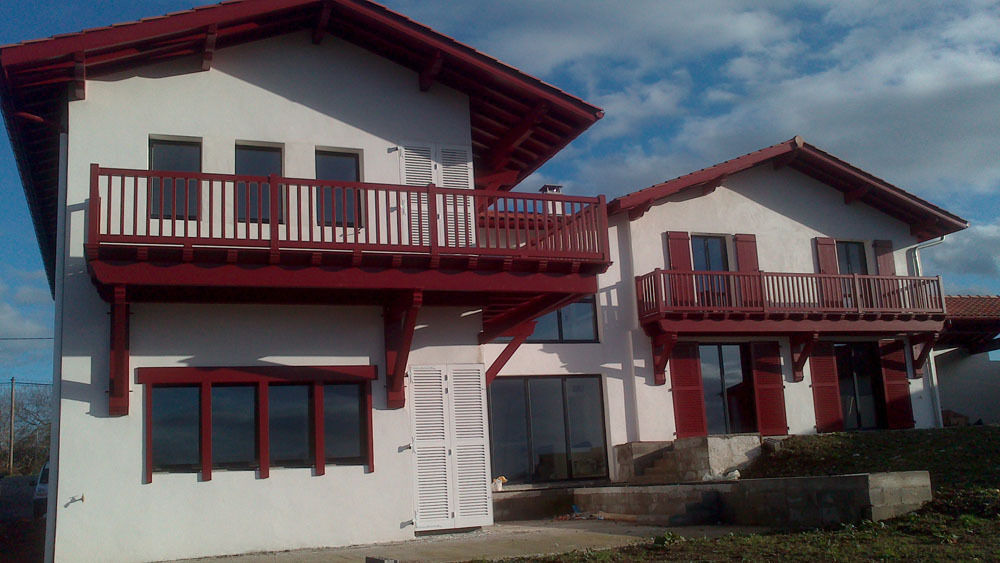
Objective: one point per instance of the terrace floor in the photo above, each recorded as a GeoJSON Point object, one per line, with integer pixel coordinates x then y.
{"type": "Point", "coordinates": [500, 541]}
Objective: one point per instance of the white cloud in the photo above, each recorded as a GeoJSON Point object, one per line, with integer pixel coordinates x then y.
{"type": "Point", "coordinates": [974, 251]}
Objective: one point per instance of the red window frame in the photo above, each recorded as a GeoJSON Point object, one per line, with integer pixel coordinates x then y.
{"type": "Point", "coordinates": [261, 376]}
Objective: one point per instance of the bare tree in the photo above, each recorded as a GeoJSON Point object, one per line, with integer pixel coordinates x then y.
{"type": "Point", "coordinates": [32, 423]}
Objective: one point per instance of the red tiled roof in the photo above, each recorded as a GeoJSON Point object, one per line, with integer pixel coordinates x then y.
{"type": "Point", "coordinates": [973, 306]}
{"type": "Point", "coordinates": [925, 219]}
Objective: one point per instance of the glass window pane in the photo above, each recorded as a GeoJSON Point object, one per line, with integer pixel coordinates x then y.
{"type": "Point", "coordinates": [586, 427]}
{"type": "Point", "coordinates": [548, 429]}
{"type": "Point", "coordinates": [289, 428]}
{"type": "Point", "coordinates": [709, 253]}
{"type": "Point", "coordinates": [546, 328]}
{"type": "Point", "coordinates": [256, 161]}
{"type": "Point", "coordinates": [234, 426]}
{"type": "Point", "coordinates": [738, 381]}
{"type": "Point", "coordinates": [509, 430]}
{"type": "Point", "coordinates": [711, 381]}
{"type": "Point", "coordinates": [851, 258]}
{"type": "Point", "coordinates": [168, 195]}
{"type": "Point", "coordinates": [336, 202]}
{"type": "Point", "coordinates": [342, 418]}
{"type": "Point", "coordinates": [176, 419]}
{"type": "Point", "coordinates": [578, 321]}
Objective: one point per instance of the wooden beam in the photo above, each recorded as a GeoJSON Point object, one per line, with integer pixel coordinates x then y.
{"type": "Point", "coordinates": [519, 334]}
{"type": "Point", "coordinates": [78, 88]}
{"type": "Point", "coordinates": [855, 194]}
{"type": "Point", "coordinates": [987, 346]}
{"type": "Point", "coordinates": [799, 358]}
{"type": "Point", "coordinates": [322, 22]}
{"type": "Point", "coordinates": [517, 134]}
{"type": "Point", "coordinates": [497, 180]}
{"type": "Point", "coordinates": [210, 38]}
{"type": "Point", "coordinates": [118, 360]}
{"type": "Point", "coordinates": [922, 351]}
{"type": "Point", "coordinates": [399, 322]}
{"type": "Point", "coordinates": [527, 311]}
{"type": "Point", "coordinates": [662, 347]}
{"type": "Point", "coordinates": [431, 71]}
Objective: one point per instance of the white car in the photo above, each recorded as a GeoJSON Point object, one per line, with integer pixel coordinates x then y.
{"type": "Point", "coordinates": [41, 498]}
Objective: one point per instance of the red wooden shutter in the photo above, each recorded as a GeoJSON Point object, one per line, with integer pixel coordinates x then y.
{"type": "Point", "coordinates": [826, 255]}
{"type": "Point", "coordinates": [899, 411]}
{"type": "Point", "coordinates": [769, 388]}
{"type": "Point", "coordinates": [679, 247]}
{"type": "Point", "coordinates": [685, 387]}
{"type": "Point", "coordinates": [747, 290]}
{"type": "Point", "coordinates": [884, 258]}
{"type": "Point", "coordinates": [746, 252]}
{"type": "Point", "coordinates": [826, 388]}
{"type": "Point", "coordinates": [681, 286]}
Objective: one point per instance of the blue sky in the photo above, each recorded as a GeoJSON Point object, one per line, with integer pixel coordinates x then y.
{"type": "Point", "coordinates": [907, 90]}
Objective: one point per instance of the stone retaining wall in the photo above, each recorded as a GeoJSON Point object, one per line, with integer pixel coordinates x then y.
{"type": "Point", "coordinates": [791, 502]}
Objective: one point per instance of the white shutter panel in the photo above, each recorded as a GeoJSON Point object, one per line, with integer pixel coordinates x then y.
{"type": "Point", "coordinates": [417, 169]}
{"type": "Point", "coordinates": [431, 441]}
{"type": "Point", "coordinates": [456, 173]}
{"type": "Point", "coordinates": [473, 500]}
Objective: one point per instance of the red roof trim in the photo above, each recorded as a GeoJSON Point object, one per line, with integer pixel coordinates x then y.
{"type": "Point", "coordinates": [926, 219]}
{"type": "Point", "coordinates": [986, 307]}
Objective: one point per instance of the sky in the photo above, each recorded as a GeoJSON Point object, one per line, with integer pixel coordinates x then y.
{"type": "Point", "coordinates": [907, 90]}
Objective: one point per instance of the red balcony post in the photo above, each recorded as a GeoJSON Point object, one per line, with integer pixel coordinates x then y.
{"type": "Point", "coordinates": [658, 281]}
{"type": "Point", "coordinates": [94, 221]}
{"type": "Point", "coordinates": [274, 215]}
{"type": "Point", "coordinates": [763, 291]}
{"type": "Point", "coordinates": [602, 235]}
{"type": "Point", "coordinates": [857, 293]}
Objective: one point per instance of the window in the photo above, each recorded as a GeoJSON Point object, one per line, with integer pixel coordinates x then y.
{"type": "Point", "coordinates": [253, 199]}
{"type": "Point", "coordinates": [175, 426]}
{"type": "Point", "coordinates": [547, 428]}
{"type": "Point", "coordinates": [173, 198]}
{"type": "Point", "coordinates": [234, 426]}
{"type": "Point", "coordinates": [709, 254]}
{"type": "Point", "coordinates": [335, 205]}
{"type": "Point", "coordinates": [289, 425]}
{"type": "Point", "coordinates": [576, 322]}
{"type": "Point", "coordinates": [727, 384]}
{"type": "Point", "coordinates": [859, 373]}
{"type": "Point", "coordinates": [257, 418]}
{"type": "Point", "coordinates": [851, 258]}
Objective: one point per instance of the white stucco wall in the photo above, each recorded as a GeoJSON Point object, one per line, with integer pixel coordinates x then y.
{"type": "Point", "coordinates": [969, 384]}
{"type": "Point", "coordinates": [301, 96]}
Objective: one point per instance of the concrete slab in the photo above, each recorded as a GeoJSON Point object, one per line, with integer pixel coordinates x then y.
{"type": "Point", "coordinates": [503, 540]}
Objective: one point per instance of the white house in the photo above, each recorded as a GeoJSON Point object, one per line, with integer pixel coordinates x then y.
{"type": "Point", "coordinates": [299, 306]}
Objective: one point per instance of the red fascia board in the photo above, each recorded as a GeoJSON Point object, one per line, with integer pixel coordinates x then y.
{"type": "Point", "coordinates": [948, 222]}
{"type": "Point", "coordinates": [670, 187]}
{"type": "Point", "coordinates": [255, 374]}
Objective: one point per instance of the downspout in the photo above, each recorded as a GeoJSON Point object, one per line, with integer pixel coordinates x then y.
{"type": "Point", "coordinates": [932, 379]}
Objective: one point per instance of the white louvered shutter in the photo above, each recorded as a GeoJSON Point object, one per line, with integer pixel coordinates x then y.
{"type": "Point", "coordinates": [431, 443]}
{"type": "Point", "coordinates": [417, 168]}
{"type": "Point", "coordinates": [456, 173]}
{"type": "Point", "coordinates": [471, 459]}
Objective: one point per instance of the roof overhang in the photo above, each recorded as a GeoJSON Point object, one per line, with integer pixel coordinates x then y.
{"type": "Point", "coordinates": [926, 220]}
{"type": "Point", "coordinates": [973, 323]}
{"type": "Point", "coordinates": [518, 121]}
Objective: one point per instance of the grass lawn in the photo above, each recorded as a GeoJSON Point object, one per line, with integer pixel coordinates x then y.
{"type": "Point", "coordinates": [962, 523]}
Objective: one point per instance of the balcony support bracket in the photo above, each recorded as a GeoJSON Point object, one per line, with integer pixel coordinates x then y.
{"type": "Point", "coordinates": [662, 347]}
{"type": "Point", "coordinates": [518, 335]}
{"type": "Point", "coordinates": [118, 360]}
{"type": "Point", "coordinates": [802, 347]}
{"type": "Point", "coordinates": [400, 320]}
{"type": "Point", "coordinates": [922, 347]}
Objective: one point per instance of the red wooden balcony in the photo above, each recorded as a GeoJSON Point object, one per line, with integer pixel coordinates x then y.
{"type": "Point", "coordinates": [779, 297]}
{"type": "Point", "coordinates": [198, 217]}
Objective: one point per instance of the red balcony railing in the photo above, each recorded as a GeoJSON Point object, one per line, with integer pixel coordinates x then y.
{"type": "Point", "coordinates": [152, 208]}
{"type": "Point", "coordinates": [663, 291]}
